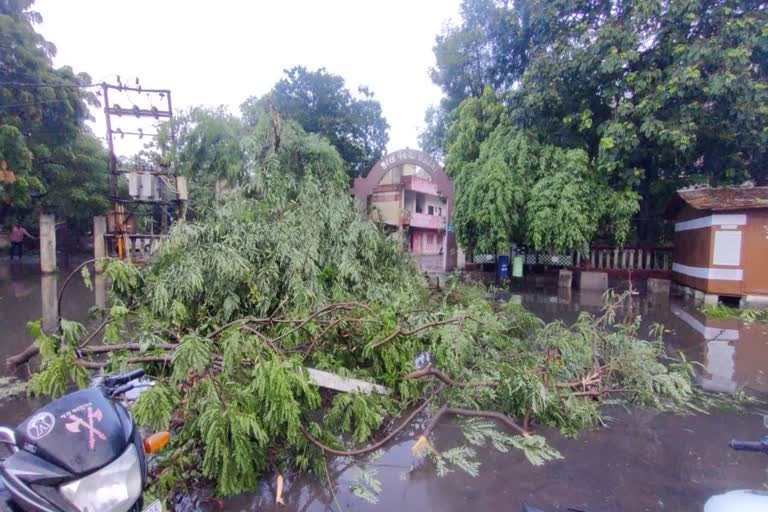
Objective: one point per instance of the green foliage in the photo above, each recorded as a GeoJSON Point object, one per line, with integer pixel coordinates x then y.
{"type": "Point", "coordinates": [357, 413]}
{"type": "Point", "coordinates": [460, 456]}
{"type": "Point", "coordinates": [154, 407]}
{"type": "Point", "coordinates": [512, 189]}
{"type": "Point", "coordinates": [192, 355]}
{"type": "Point", "coordinates": [208, 147]}
{"type": "Point", "coordinates": [58, 366]}
{"type": "Point", "coordinates": [43, 138]}
{"type": "Point", "coordinates": [721, 311]}
{"type": "Point", "coordinates": [367, 486]}
{"type": "Point", "coordinates": [321, 104]}
{"type": "Point", "coordinates": [658, 95]}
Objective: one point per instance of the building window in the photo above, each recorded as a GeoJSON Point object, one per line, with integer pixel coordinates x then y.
{"type": "Point", "coordinates": [430, 238]}
{"type": "Point", "coordinates": [440, 212]}
{"type": "Point", "coordinates": [431, 210]}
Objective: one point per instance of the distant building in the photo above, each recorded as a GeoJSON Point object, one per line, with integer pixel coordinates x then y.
{"type": "Point", "coordinates": [409, 192]}
{"type": "Point", "coordinates": [721, 242]}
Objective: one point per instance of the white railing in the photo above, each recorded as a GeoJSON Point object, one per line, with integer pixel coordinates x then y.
{"type": "Point", "coordinates": [651, 258]}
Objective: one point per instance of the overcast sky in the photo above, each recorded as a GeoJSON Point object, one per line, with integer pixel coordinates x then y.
{"type": "Point", "coordinates": [219, 53]}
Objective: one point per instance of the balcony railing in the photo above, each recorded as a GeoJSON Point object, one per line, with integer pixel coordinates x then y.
{"type": "Point", "coordinates": [421, 220]}
{"type": "Point", "coordinates": [417, 184]}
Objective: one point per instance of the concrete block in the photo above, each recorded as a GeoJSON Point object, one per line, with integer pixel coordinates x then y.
{"type": "Point", "coordinates": [564, 278]}
{"type": "Point", "coordinates": [754, 301]}
{"type": "Point", "coordinates": [711, 299]}
{"type": "Point", "coordinates": [698, 296]}
{"type": "Point", "coordinates": [656, 285]}
{"type": "Point", "coordinates": [47, 244]}
{"type": "Point", "coordinates": [593, 281]}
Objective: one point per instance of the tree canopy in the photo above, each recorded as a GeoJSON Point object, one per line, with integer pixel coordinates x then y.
{"type": "Point", "coordinates": [321, 103]}
{"type": "Point", "coordinates": [50, 158]}
{"type": "Point", "coordinates": [655, 95]}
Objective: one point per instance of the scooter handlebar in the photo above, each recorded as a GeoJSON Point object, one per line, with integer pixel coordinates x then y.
{"type": "Point", "coordinates": [123, 378]}
{"type": "Point", "coordinates": [749, 446]}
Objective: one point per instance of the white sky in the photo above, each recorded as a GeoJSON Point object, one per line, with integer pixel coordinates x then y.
{"type": "Point", "coordinates": [220, 53]}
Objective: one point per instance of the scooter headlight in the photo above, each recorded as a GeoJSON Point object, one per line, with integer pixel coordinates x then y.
{"type": "Point", "coordinates": [113, 488]}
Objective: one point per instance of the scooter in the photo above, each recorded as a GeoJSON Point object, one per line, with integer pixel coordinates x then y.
{"type": "Point", "coordinates": [80, 453]}
{"type": "Point", "coordinates": [742, 500]}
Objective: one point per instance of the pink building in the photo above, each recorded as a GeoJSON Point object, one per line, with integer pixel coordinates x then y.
{"type": "Point", "coordinates": [409, 192]}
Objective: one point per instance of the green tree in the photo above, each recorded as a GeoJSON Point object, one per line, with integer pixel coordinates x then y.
{"type": "Point", "coordinates": [321, 103]}
{"type": "Point", "coordinates": [43, 141]}
{"type": "Point", "coordinates": [207, 148]}
{"type": "Point", "coordinates": [658, 94]}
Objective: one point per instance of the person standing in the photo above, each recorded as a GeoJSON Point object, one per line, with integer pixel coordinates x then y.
{"type": "Point", "coordinates": [17, 239]}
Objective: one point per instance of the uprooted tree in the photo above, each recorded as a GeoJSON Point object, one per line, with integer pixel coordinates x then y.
{"type": "Point", "coordinates": [284, 275]}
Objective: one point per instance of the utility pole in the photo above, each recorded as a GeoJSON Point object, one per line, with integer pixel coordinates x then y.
{"type": "Point", "coordinates": [146, 185]}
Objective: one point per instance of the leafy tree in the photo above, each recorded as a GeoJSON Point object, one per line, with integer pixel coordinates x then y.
{"type": "Point", "coordinates": [43, 142]}
{"type": "Point", "coordinates": [321, 104]}
{"type": "Point", "coordinates": [512, 188]}
{"type": "Point", "coordinates": [658, 94]}
{"type": "Point", "coordinates": [76, 181]}
{"type": "Point", "coordinates": [207, 148]}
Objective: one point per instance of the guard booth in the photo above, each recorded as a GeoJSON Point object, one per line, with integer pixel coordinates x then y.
{"type": "Point", "coordinates": [721, 242]}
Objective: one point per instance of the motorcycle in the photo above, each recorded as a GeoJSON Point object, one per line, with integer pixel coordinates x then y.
{"type": "Point", "coordinates": [80, 453]}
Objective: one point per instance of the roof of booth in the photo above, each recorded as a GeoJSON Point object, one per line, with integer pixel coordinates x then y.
{"type": "Point", "coordinates": [723, 198]}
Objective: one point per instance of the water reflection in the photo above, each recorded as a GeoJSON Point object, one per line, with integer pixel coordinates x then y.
{"type": "Point", "coordinates": [26, 295]}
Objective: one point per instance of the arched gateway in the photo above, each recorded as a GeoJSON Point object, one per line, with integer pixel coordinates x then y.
{"type": "Point", "coordinates": [409, 192]}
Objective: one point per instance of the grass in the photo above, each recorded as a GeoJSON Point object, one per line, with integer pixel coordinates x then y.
{"type": "Point", "coordinates": [746, 315]}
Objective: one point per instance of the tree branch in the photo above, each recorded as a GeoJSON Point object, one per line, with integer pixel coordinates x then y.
{"type": "Point", "coordinates": [410, 332]}
{"type": "Point", "coordinates": [375, 446]}
{"type": "Point", "coordinates": [469, 412]}
{"type": "Point", "coordinates": [430, 370]}
{"type": "Point", "coordinates": [133, 360]}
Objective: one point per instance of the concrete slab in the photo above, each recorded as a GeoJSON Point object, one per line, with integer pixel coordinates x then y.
{"type": "Point", "coordinates": [593, 281]}
{"type": "Point", "coordinates": [754, 301]}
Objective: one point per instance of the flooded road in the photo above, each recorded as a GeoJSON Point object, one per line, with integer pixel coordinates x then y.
{"type": "Point", "coordinates": [26, 295]}
{"type": "Point", "coordinates": [642, 461]}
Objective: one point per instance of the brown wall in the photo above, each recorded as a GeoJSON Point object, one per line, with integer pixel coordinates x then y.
{"type": "Point", "coordinates": [754, 253]}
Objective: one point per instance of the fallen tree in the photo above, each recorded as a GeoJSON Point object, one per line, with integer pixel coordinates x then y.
{"type": "Point", "coordinates": [285, 276]}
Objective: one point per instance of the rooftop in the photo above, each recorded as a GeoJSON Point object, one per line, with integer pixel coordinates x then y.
{"type": "Point", "coordinates": [725, 198]}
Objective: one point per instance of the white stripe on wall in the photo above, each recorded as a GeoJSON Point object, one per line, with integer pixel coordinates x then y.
{"type": "Point", "coordinates": [721, 274]}
{"type": "Point", "coordinates": [733, 219]}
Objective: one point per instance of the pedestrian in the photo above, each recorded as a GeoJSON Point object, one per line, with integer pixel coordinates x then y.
{"type": "Point", "coordinates": [17, 239]}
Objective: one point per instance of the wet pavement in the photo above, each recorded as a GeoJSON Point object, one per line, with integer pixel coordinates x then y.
{"type": "Point", "coordinates": [641, 461]}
